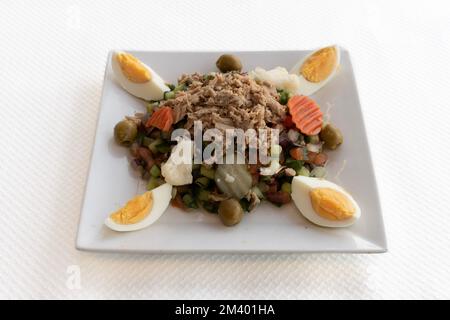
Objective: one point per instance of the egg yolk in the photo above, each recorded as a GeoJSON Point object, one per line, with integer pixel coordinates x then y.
{"type": "Point", "coordinates": [132, 68]}
{"type": "Point", "coordinates": [319, 65]}
{"type": "Point", "coordinates": [135, 210]}
{"type": "Point", "coordinates": [331, 204]}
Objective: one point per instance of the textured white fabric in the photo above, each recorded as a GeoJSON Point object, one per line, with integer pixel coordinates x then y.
{"type": "Point", "coordinates": [52, 60]}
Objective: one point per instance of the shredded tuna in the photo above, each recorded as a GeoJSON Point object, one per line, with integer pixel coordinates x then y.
{"type": "Point", "coordinates": [227, 100]}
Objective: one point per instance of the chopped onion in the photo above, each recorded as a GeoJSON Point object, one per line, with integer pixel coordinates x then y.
{"type": "Point", "coordinates": [293, 135]}
{"type": "Point", "coordinates": [319, 172]}
{"type": "Point", "coordinates": [314, 147]}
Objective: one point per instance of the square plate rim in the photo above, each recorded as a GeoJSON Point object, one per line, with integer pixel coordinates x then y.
{"type": "Point", "coordinates": [379, 246]}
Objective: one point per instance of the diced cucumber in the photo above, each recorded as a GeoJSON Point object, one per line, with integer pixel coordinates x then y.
{"type": "Point", "coordinates": [146, 141]}
{"type": "Point", "coordinates": [313, 139]}
{"type": "Point", "coordinates": [202, 182]}
{"type": "Point", "coordinates": [303, 171]}
{"type": "Point", "coordinates": [155, 171]}
{"type": "Point", "coordinates": [169, 95]}
{"type": "Point", "coordinates": [203, 195]}
{"type": "Point", "coordinates": [152, 146]}
{"type": "Point", "coordinates": [189, 201]}
{"type": "Point", "coordinates": [180, 87]}
{"type": "Point", "coordinates": [151, 107]}
{"type": "Point", "coordinates": [208, 76]}
{"type": "Point", "coordinates": [319, 172]}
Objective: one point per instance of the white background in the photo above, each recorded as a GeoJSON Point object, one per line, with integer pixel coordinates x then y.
{"type": "Point", "coordinates": [52, 60]}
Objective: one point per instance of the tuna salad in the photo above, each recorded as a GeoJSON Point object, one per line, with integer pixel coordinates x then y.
{"type": "Point", "coordinates": [291, 168]}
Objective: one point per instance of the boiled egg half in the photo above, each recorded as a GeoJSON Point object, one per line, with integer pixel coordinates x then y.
{"type": "Point", "coordinates": [136, 77]}
{"type": "Point", "coordinates": [316, 69]}
{"type": "Point", "coordinates": [141, 211]}
{"type": "Point", "coordinates": [324, 203]}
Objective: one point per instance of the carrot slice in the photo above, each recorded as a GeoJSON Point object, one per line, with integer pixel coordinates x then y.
{"type": "Point", "coordinates": [305, 114]}
{"type": "Point", "coordinates": [155, 117]}
{"type": "Point", "coordinates": [161, 119]}
{"type": "Point", "coordinates": [167, 124]}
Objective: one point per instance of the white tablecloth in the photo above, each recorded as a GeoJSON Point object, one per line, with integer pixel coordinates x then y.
{"type": "Point", "coordinates": [52, 60]}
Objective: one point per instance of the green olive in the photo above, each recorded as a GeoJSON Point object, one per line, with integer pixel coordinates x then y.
{"type": "Point", "coordinates": [230, 212]}
{"type": "Point", "coordinates": [125, 132]}
{"type": "Point", "coordinates": [331, 136]}
{"type": "Point", "coordinates": [229, 62]}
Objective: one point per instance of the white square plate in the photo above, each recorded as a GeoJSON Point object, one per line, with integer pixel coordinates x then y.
{"type": "Point", "coordinates": [111, 180]}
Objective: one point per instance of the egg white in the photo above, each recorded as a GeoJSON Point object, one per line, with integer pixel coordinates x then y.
{"type": "Point", "coordinates": [151, 90]}
{"type": "Point", "coordinates": [161, 199]}
{"type": "Point", "coordinates": [301, 186]}
{"type": "Point", "coordinates": [308, 88]}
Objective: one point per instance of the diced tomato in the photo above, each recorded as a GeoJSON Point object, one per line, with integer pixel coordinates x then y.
{"type": "Point", "coordinates": [287, 122]}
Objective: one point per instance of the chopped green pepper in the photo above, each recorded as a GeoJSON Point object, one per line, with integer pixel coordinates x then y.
{"type": "Point", "coordinates": [208, 172]}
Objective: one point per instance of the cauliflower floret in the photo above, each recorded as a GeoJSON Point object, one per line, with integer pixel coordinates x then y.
{"type": "Point", "coordinates": [272, 169]}
{"type": "Point", "coordinates": [177, 171]}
